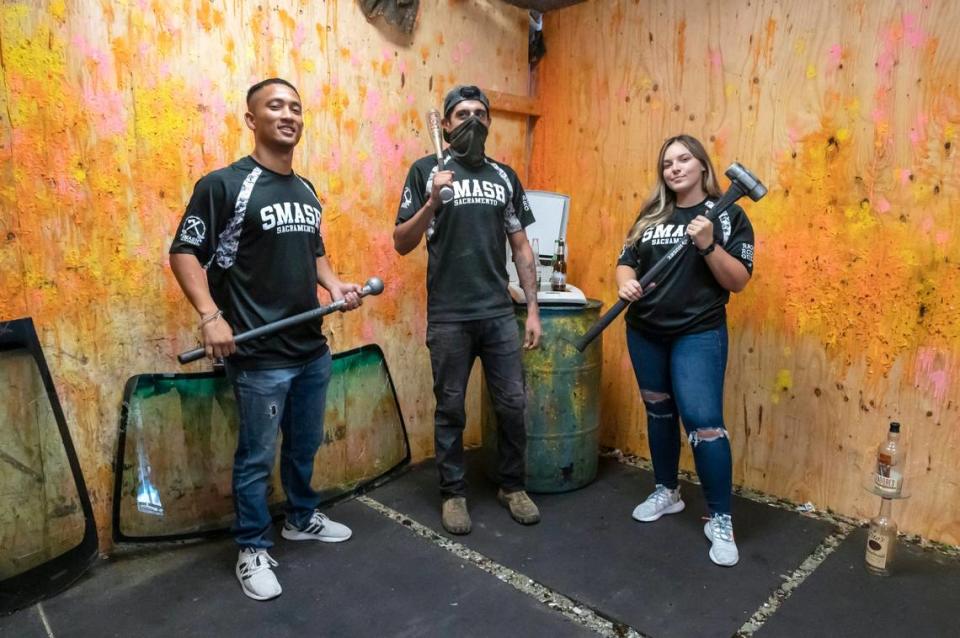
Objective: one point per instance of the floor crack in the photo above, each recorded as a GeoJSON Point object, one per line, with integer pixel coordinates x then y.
{"type": "Point", "coordinates": [794, 580]}
{"type": "Point", "coordinates": [573, 610]}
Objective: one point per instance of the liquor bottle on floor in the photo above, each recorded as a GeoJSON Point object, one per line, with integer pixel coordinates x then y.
{"type": "Point", "coordinates": [881, 540]}
{"type": "Point", "coordinates": [891, 457]}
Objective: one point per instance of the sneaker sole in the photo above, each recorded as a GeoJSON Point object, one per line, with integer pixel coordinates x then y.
{"type": "Point", "coordinates": [297, 535]}
{"type": "Point", "coordinates": [714, 558]}
{"type": "Point", "coordinates": [673, 509]}
{"type": "Point", "coordinates": [717, 562]}
{"type": "Point", "coordinates": [251, 594]}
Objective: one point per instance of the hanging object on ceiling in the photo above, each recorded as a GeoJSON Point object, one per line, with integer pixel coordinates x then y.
{"type": "Point", "coordinates": [537, 47]}
{"type": "Point", "coordinates": [399, 13]}
{"type": "Point", "coordinates": [543, 5]}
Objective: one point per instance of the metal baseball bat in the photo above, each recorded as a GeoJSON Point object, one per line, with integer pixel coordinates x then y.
{"type": "Point", "coordinates": [742, 182]}
{"type": "Point", "coordinates": [374, 286]}
{"type": "Point", "coordinates": [434, 126]}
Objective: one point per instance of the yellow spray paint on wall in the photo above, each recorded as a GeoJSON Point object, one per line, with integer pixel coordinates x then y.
{"type": "Point", "coordinates": [783, 383]}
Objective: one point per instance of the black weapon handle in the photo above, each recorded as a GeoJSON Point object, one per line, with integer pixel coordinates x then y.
{"type": "Point", "coordinates": [598, 327]}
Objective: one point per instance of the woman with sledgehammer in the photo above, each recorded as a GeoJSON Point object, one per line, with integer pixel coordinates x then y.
{"type": "Point", "coordinates": [677, 333]}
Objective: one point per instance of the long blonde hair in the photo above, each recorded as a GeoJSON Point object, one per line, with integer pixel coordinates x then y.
{"type": "Point", "coordinates": [659, 206]}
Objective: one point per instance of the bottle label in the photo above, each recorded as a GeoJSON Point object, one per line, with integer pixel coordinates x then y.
{"type": "Point", "coordinates": [558, 281]}
{"type": "Point", "coordinates": [878, 550]}
{"type": "Point", "coordinates": [887, 478]}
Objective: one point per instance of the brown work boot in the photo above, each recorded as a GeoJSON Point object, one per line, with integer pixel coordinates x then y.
{"type": "Point", "coordinates": [456, 518]}
{"type": "Point", "coordinates": [522, 509]}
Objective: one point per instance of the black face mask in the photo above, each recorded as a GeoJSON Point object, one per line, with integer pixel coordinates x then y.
{"type": "Point", "coordinates": [467, 141]}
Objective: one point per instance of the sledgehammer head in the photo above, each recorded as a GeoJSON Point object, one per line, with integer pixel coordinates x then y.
{"type": "Point", "coordinates": [374, 286]}
{"type": "Point", "coordinates": [746, 181]}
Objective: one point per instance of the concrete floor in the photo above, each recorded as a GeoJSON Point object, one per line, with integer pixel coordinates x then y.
{"type": "Point", "coordinates": [586, 569]}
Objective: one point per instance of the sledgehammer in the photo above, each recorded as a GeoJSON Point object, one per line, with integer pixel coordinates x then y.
{"type": "Point", "coordinates": [742, 182]}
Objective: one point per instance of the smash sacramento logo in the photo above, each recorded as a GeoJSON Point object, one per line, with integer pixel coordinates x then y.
{"type": "Point", "coordinates": [193, 231]}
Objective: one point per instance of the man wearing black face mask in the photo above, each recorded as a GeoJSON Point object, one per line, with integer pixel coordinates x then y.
{"type": "Point", "coordinates": [469, 311]}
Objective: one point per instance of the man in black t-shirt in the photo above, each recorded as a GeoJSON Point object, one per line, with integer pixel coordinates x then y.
{"type": "Point", "coordinates": [469, 311]}
{"type": "Point", "coordinates": [247, 252]}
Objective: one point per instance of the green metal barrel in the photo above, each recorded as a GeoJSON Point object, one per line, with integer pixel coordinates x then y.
{"type": "Point", "coordinates": [563, 402]}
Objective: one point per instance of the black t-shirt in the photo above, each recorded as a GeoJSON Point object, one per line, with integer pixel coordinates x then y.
{"type": "Point", "coordinates": [257, 234]}
{"type": "Point", "coordinates": [687, 297]}
{"type": "Point", "coordinates": [466, 241]}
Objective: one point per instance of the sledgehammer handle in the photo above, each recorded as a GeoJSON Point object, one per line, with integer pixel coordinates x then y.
{"type": "Point", "coordinates": [621, 305]}
{"type": "Point", "coordinates": [600, 325]}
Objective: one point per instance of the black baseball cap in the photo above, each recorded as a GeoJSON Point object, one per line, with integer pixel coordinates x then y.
{"type": "Point", "coordinates": [461, 93]}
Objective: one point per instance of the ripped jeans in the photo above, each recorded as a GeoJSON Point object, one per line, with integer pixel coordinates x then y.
{"type": "Point", "coordinates": [682, 376]}
{"type": "Point", "coordinates": [287, 400]}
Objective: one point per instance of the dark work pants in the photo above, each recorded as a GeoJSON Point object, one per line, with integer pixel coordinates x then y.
{"type": "Point", "coordinates": [453, 348]}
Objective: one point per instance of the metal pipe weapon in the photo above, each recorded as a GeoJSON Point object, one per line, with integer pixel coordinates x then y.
{"type": "Point", "coordinates": [374, 286]}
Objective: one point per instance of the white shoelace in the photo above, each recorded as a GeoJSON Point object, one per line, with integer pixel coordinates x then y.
{"type": "Point", "coordinates": [661, 497]}
{"type": "Point", "coordinates": [722, 527]}
{"type": "Point", "coordinates": [317, 522]}
{"type": "Point", "coordinates": [256, 563]}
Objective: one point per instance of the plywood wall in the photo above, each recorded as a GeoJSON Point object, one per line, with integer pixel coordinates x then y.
{"type": "Point", "coordinates": [849, 111]}
{"type": "Point", "coordinates": [109, 112]}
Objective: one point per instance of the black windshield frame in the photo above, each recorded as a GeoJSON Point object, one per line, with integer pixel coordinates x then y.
{"type": "Point", "coordinates": [58, 573]}
{"type": "Point", "coordinates": [130, 388]}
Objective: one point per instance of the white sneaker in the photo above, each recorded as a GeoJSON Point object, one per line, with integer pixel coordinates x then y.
{"type": "Point", "coordinates": [319, 528]}
{"type": "Point", "coordinates": [255, 574]}
{"type": "Point", "coordinates": [662, 501]}
{"type": "Point", "coordinates": [719, 530]}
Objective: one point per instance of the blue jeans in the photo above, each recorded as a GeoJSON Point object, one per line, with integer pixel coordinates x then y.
{"type": "Point", "coordinates": [287, 400]}
{"type": "Point", "coordinates": [681, 378]}
{"type": "Point", "coordinates": [453, 348]}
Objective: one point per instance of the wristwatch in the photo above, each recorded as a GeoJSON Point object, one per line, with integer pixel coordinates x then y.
{"type": "Point", "coordinates": [709, 249]}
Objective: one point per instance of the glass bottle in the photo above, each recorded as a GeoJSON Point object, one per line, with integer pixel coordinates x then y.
{"type": "Point", "coordinates": [891, 456]}
{"type": "Point", "coordinates": [881, 540]}
{"type": "Point", "coordinates": [558, 279]}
